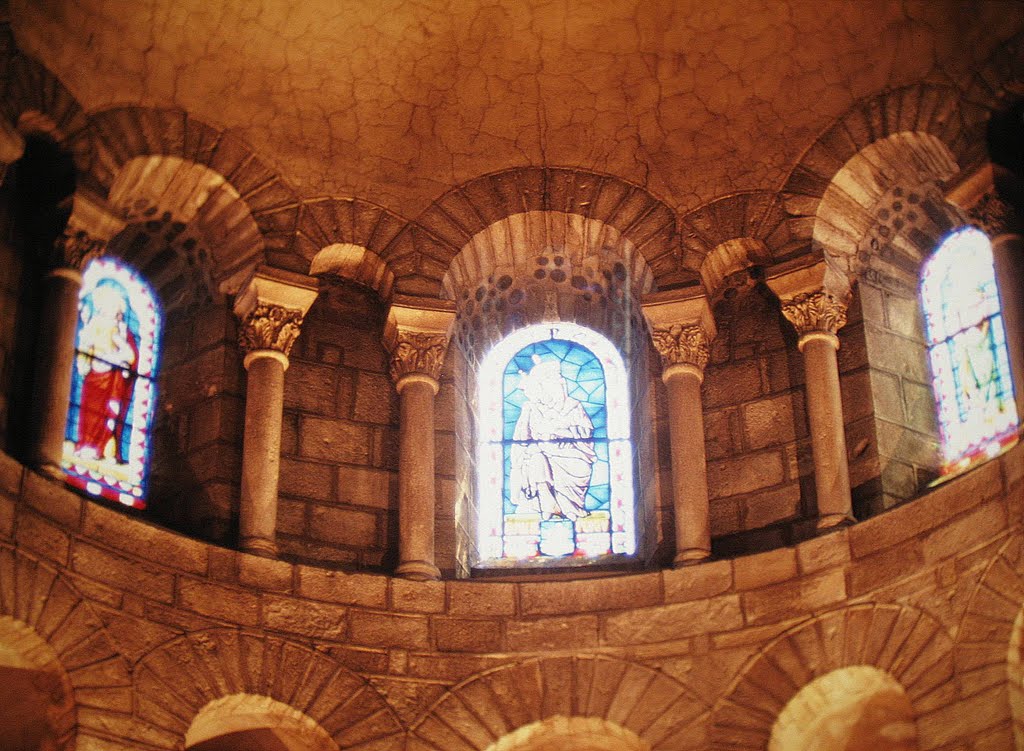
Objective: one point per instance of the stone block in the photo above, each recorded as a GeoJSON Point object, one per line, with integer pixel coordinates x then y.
{"type": "Point", "coordinates": [875, 571]}
{"type": "Point", "coordinates": [7, 506]}
{"type": "Point", "coordinates": [855, 391]}
{"type": "Point", "coordinates": [744, 474]}
{"type": "Point", "coordinates": [919, 401]}
{"type": "Point", "coordinates": [53, 500]}
{"type": "Point", "coordinates": [769, 506]}
{"type": "Point", "coordinates": [963, 719]}
{"type": "Point", "coordinates": [886, 396]}
{"type": "Point", "coordinates": [307, 479]}
{"type": "Point", "coordinates": [898, 479]}
{"type": "Point", "coordinates": [673, 622]}
{"type": "Point", "coordinates": [417, 597]}
{"type": "Point", "coordinates": [589, 595]}
{"type": "Point", "coordinates": [467, 634]}
{"type": "Point", "coordinates": [376, 399]}
{"type": "Point", "coordinates": [364, 350]}
{"type": "Point", "coordinates": [385, 630]}
{"type": "Point", "coordinates": [344, 526]}
{"type": "Point", "coordinates": [888, 352]}
{"type": "Point", "coordinates": [221, 418]}
{"type": "Point", "coordinates": [364, 590]}
{"type": "Point", "coordinates": [318, 620]}
{"type": "Point", "coordinates": [769, 422]}
{"type": "Point", "coordinates": [366, 486]}
{"type": "Point", "coordinates": [903, 316]}
{"type": "Point", "coordinates": [556, 634]}
{"type": "Point", "coordinates": [264, 574]}
{"type": "Point", "coordinates": [762, 569]}
{"type": "Point", "coordinates": [732, 383]}
{"type": "Point", "coordinates": [697, 582]}
{"type": "Point", "coordinates": [718, 440]}
{"type": "Point", "coordinates": [481, 598]}
{"type": "Point", "coordinates": [794, 598]}
{"type": "Point", "coordinates": [43, 537]}
{"type": "Point", "coordinates": [309, 387]}
{"type": "Point", "coordinates": [334, 440]}
{"type": "Point", "coordinates": [11, 471]}
{"type": "Point", "coordinates": [235, 606]}
{"type": "Point", "coordinates": [831, 550]}
{"type": "Point", "coordinates": [906, 444]}
{"type": "Point", "coordinates": [121, 532]}
{"type": "Point", "coordinates": [724, 516]}
{"type": "Point", "coordinates": [291, 516]}
{"type": "Point", "coordinates": [123, 573]}
{"type": "Point", "coordinates": [973, 528]}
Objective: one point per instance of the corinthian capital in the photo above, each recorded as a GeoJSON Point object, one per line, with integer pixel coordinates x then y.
{"type": "Point", "coordinates": [416, 352]}
{"type": "Point", "coordinates": [817, 311]}
{"type": "Point", "coordinates": [681, 345]}
{"type": "Point", "coordinates": [269, 326]}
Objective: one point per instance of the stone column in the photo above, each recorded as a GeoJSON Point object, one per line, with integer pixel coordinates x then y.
{"type": "Point", "coordinates": [817, 315]}
{"type": "Point", "coordinates": [417, 337]}
{"type": "Point", "coordinates": [90, 227]}
{"type": "Point", "coordinates": [682, 330]}
{"type": "Point", "coordinates": [271, 311]}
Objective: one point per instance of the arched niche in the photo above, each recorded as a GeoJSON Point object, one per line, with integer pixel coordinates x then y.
{"type": "Point", "coordinates": [37, 708]}
{"type": "Point", "coordinates": [856, 708]}
{"type": "Point", "coordinates": [561, 733]}
{"type": "Point", "coordinates": [249, 722]}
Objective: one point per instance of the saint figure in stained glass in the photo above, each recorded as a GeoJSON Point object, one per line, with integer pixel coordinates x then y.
{"type": "Point", "coordinates": [106, 446]}
{"type": "Point", "coordinates": [967, 348]}
{"type": "Point", "coordinates": [552, 454]}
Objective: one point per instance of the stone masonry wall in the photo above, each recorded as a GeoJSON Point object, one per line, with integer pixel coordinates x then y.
{"type": "Point", "coordinates": [686, 659]}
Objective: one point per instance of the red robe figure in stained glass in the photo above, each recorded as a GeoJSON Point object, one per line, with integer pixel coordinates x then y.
{"type": "Point", "coordinates": [107, 357]}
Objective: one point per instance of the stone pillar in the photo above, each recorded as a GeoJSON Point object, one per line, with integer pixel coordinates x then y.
{"type": "Point", "coordinates": [271, 311]}
{"type": "Point", "coordinates": [90, 227]}
{"type": "Point", "coordinates": [417, 338]}
{"type": "Point", "coordinates": [681, 330]}
{"type": "Point", "coordinates": [817, 314]}
{"type": "Point", "coordinates": [12, 146]}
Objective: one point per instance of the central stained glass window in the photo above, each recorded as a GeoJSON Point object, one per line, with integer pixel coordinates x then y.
{"type": "Point", "coordinates": [555, 459]}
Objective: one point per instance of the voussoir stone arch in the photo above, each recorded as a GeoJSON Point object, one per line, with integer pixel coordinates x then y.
{"type": "Point", "coordinates": [37, 596]}
{"type": "Point", "coordinates": [123, 133]}
{"type": "Point", "coordinates": [455, 218]}
{"type": "Point", "coordinates": [902, 641]}
{"type": "Point", "coordinates": [990, 639]}
{"type": "Point", "coordinates": [175, 681]}
{"type": "Point", "coordinates": [650, 705]}
{"type": "Point", "coordinates": [34, 99]}
{"type": "Point", "coordinates": [247, 716]}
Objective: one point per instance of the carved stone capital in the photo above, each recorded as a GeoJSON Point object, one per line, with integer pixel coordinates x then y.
{"type": "Point", "coordinates": [76, 247]}
{"type": "Point", "coordinates": [681, 345]}
{"type": "Point", "coordinates": [993, 215]}
{"type": "Point", "coordinates": [818, 311]}
{"type": "Point", "coordinates": [416, 352]}
{"type": "Point", "coordinates": [273, 327]}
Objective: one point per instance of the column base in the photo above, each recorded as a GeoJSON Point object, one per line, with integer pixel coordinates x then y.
{"type": "Point", "coordinates": [419, 571]}
{"type": "Point", "coordinates": [691, 556]}
{"type": "Point", "coordinates": [831, 521]}
{"type": "Point", "coordinates": [260, 546]}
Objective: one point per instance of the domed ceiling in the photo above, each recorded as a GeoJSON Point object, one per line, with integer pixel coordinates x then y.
{"type": "Point", "coordinates": [397, 101]}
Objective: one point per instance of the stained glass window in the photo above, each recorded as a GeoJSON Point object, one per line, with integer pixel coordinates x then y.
{"type": "Point", "coordinates": [106, 446]}
{"type": "Point", "coordinates": [554, 455]}
{"type": "Point", "coordinates": [967, 347]}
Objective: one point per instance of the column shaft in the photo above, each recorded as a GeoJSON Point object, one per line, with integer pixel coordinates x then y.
{"type": "Point", "coordinates": [261, 454]}
{"type": "Point", "coordinates": [56, 360]}
{"type": "Point", "coordinates": [416, 496]}
{"type": "Point", "coordinates": [828, 440]}
{"type": "Point", "coordinates": [689, 465]}
{"type": "Point", "coordinates": [1008, 257]}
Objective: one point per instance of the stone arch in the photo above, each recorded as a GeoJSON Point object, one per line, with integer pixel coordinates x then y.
{"type": "Point", "coordinates": [732, 232]}
{"type": "Point", "coordinates": [926, 128]}
{"type": "Point", "coordinates": [175, 681]}
{"type": "Point", "coordinates": [1000, 76]}
{"type": "Point", "coordinates": [854, 708]}
{"type": "Point", "coordinates": [991, 632]}
{"type": "Point", "coordinates": [38, 703]}
{"type": "Point", "coordinates": [481, 710]}
{"type": "Point", "coordinates": [33, 594]}
{"type": "Point", "coordinates": [357, 264]}
{"type": "Point", "coordinates": [33, 98]}
{"type": "Point", "coordinates": [902, 641]}
{"type": "Point", "coordinates": [255, 722]}
{"type": "Point", "coordinates": [329, 221]}
{"type": "Point", "coordinates": [570, 734]}
{"type": "Point", "coordinates": [451, 222]}
{"type": "Point", "coordinates": [123, 133]}
{"type": "Point", "coordinates": [191, 232]}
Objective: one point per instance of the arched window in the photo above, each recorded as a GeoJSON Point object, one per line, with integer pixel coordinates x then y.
{"type": "Point", "coordinates": [554, 455]}
{"type": "Point", "coordinates": [967, 348]}
{"type": "Point", "coordinates": [113, 394]}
